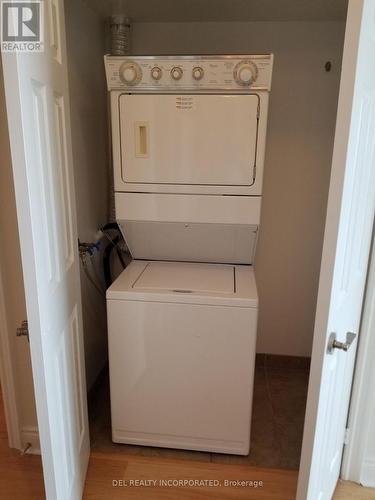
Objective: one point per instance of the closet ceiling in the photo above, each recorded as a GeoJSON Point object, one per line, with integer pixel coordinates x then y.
{"type": "Point", "coordinates": [223, 10]}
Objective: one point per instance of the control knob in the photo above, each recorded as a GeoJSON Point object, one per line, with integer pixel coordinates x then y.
{"type": "Point", "coordinates": [198, 73]}
{"type": "Point", "coordinates": [245, 72]}
{"type": "Point", "coordinates": [130, 73]}
{"type": "Point", "coordinates": [176, 73]}
{"type": "Point", "coordinates": [156, 73]}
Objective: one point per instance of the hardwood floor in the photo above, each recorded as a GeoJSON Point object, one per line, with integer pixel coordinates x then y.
{"type": "Point", "coordinates": [21, 478]}
{"type": "Point", "coordinates": [106, 472]}
{"type": "Point", "coordinates": [346, 490]}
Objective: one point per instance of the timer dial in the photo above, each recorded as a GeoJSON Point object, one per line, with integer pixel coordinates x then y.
{"type": "Point", "coordinates": [245, 73]}
{"type": "Point", "coordinates": [130, 73]}
{"type": "Point", "coordinates": [176, 73]}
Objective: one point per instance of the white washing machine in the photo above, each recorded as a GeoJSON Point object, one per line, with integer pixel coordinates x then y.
{"type": "Point", "coordinates": [188, 149]}
{"type": "Point", "coordinates": [181, 351]}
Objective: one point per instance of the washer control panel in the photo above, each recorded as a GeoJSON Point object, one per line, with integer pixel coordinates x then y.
{"type": "Point", "coordinates": [200, 73]}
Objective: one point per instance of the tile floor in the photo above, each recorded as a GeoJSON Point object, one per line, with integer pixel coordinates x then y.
{"type": "Point", "coordinates": [280, 390]}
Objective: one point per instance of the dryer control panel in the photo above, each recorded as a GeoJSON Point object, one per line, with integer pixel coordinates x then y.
{"type": "Point", "coordinates": [233, 73]}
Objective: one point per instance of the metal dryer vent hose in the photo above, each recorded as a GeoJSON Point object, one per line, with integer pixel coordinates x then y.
{"type": "Point", "coordinates": [120, 35]}
{"type": "Point", "coordinates": [119, 27]}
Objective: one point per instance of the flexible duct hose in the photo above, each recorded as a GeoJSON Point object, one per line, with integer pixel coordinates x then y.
{"type": "Point", "coordinates": [120, 35]}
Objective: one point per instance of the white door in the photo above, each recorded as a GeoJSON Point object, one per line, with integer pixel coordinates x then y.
{"type": "Point", "coordinates": [189, 139]}
{"type": "Point", "coordinates": [38, 113]}
{"type": "Point", "coordinates": [345, 258]}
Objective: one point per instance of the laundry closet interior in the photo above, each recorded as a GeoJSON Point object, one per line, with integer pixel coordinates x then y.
{"type": "Point", "coordinates": [306, 41]}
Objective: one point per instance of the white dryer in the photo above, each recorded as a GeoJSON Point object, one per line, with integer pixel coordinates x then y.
{"type": "Point", "coordinates": [188, 148]}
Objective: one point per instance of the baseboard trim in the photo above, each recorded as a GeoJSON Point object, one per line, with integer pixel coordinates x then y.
{"type": "Point", "coordinates": [368, 473]}
{"type": "Point", "coordinates": [30, 435]}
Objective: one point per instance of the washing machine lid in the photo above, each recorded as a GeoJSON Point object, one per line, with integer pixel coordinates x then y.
{"type": "Point", "coordinates": [186, 277]}
{"type": "Point", "coordinates": [186, 282]}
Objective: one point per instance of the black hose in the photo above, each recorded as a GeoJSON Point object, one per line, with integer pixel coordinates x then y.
{"type": "Point", "coordinates": [107, 261]}
{"type": "Point", "coordinates": [108, 251]}
{"type": "Point", "coordinates": [111, 225]}
{"type": "Point", "coordinates": [119, 254]}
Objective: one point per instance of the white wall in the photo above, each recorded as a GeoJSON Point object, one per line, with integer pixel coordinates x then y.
{"type": "Point", "coordinates": [298, 157]}
{"type": "Point", "coordinates": [12, 282]}
{"type": "Point", "coordinates": [88, 96]}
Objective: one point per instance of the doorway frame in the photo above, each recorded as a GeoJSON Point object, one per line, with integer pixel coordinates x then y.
{"type": "Point", "coordinates": [7, 375]}
{"type": "Point", "coordinates": [7, 367]}
{"type": "Point", "coordinates": [362, 409]}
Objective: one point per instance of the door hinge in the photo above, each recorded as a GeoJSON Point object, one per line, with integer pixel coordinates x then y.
{"type": "Point", "coordinates": [23, 330]}
{"type": "Point", "coordinates": [333, 343]}
{"type": "Point", "coordinates": [346, 436]}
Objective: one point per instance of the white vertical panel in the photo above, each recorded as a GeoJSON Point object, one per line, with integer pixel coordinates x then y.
{"type": "Point", "coordinates": [39, 124]}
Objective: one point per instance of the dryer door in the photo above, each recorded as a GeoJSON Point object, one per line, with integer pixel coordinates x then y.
{"type": "Point", "coordinates": [188, 139]}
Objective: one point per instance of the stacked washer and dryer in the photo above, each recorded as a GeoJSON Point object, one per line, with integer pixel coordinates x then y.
{"type": "Point", "coordinates": [189, 138]}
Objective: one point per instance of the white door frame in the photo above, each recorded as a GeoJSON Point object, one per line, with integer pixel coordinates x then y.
{"type": "Point", "coordinates": [37, 100]}
{"type": "Point", "coordinates": [11, 79]}
{"type": "Point", "coordinates": [341, 156]}
{"type": "Point", "coordinates": [362, 408]}
{"type": "Point", "coordinates": [8, 376]}
{"type": "Point", "coordinates": [362, 382]}
{"type": "Point", "coordinates": [8, 371]}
